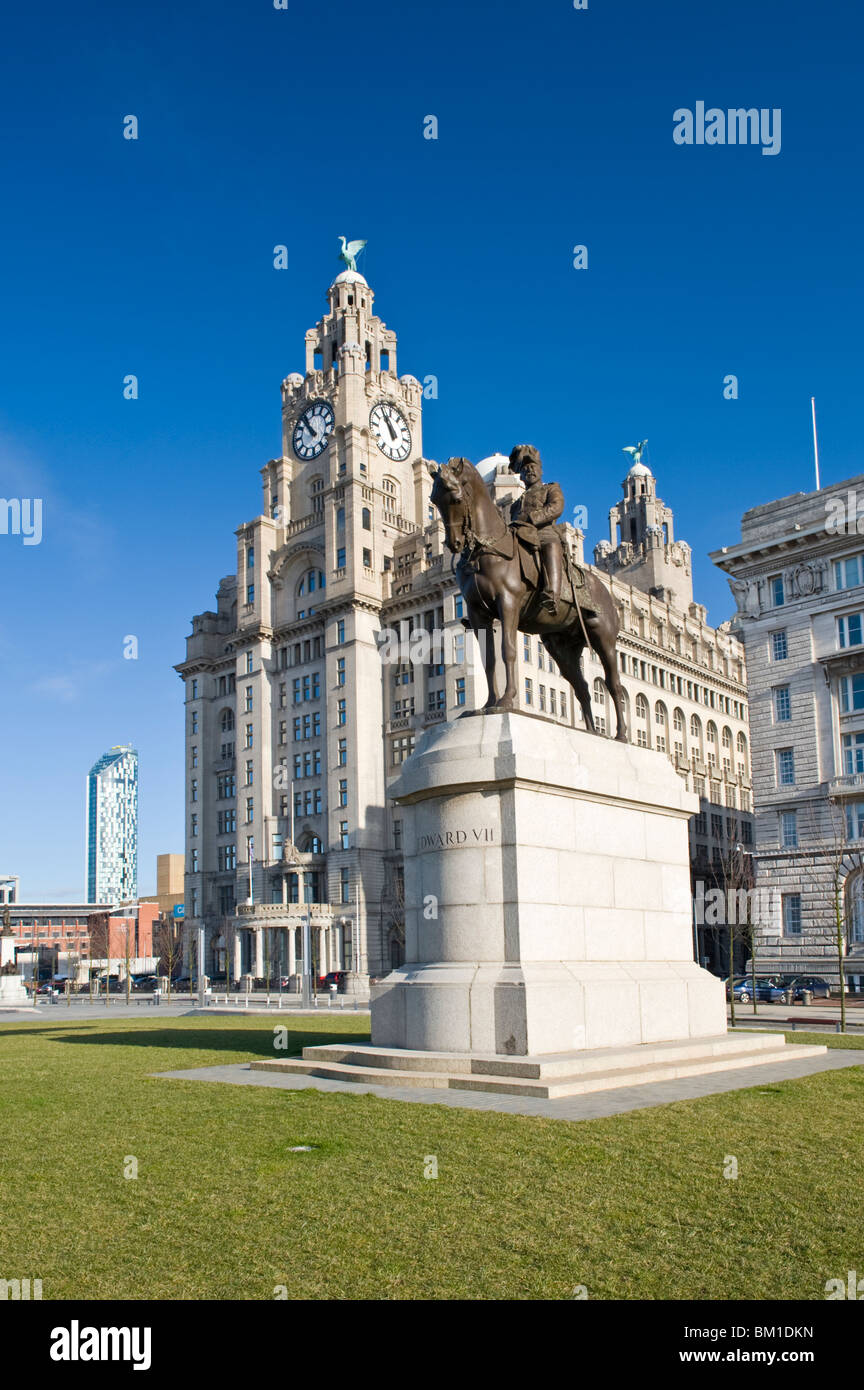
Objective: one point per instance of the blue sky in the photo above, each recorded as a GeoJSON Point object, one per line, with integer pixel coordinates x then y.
{"type": "Point", "coordinates": [259, 127]}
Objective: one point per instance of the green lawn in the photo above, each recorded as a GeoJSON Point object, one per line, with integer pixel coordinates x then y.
{"type": "Point", "coordinates": [635, 1206]}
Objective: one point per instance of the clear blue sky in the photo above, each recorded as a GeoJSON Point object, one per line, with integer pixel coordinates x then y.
{"type": "Point", "coordinates": [260, 126]}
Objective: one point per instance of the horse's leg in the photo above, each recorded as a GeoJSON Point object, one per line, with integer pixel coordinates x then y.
{"type": "Point", "coordinates": [508, 612]}
{"type": "Point", "coordinates": [568, 654]}
{"type": "Point", "coordinates": [486, 638]}
{"type": "Point", "coordinates": [609, 661]}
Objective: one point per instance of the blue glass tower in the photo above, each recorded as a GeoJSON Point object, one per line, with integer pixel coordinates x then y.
{"type": "Point", "coordinates": [112, 827]}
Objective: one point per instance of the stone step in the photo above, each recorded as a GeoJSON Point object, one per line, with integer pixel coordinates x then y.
{"type": "Point", "coordinates": [639, 1072]}
{"type": "Point", "coordinates": [550, 1064]}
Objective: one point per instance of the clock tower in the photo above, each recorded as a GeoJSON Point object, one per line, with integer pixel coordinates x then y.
{"type": "Point", "coordinates": [286, 795]}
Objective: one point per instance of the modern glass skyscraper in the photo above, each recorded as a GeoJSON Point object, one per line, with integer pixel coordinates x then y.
{"type": "Point", "coordinates": [112, 827]}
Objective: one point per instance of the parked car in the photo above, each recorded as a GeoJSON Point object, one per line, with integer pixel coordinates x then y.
{"type": "Point", "coordinates": [768, 990]}
{"type": "Point", "coordinates": [819, 988]}
{"type": "Point", "coordinates": [47, 987]}
{"type": "Point", "coordinates": [145, 982]}
{"type": "Point", "coordinates": [335, 977]}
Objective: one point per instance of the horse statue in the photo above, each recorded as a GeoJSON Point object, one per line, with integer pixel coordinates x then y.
{"type": "Point", "coordinates": [497, 581]}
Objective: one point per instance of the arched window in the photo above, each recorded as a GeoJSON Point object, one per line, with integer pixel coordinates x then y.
{"type": "Point", "coordinates": [678, 728]}
{"type": "Point", "coordinates": [226, 721]}
{"type": "Point", "coordinates": [391, 495]}
{"type": "Point", "coordinates": [727, 737]}
{"type": "Point", "coordinates": [600, 703]}
{"type": "Point", "coordinates": [316, 493]}
{"type": "Point", "coordinates": [742, 746]}
{"type": "Point", "coordinates": [661, 720]}
{"type": "Point", "coordinates": [366, 519]}
{"type": "Point", "coordinates": [854, 894]}
{"type": "Point", "coordinates": [311, 580]}
{"type": "Point", "coordinates": [311, 844]}
{"type": "Point", "coordinates": [643, 736]}
{"type": "Point", "coordinates": [711, 740]}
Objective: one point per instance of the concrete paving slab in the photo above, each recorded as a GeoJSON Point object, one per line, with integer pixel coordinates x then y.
{"type": "Point", "coordinates": [595, 1105]}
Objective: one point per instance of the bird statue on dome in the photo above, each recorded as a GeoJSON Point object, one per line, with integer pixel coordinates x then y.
{"type": "Point", "coordinates": [635, 450]}
{"type": "Point", "coordinates": [350, 251]}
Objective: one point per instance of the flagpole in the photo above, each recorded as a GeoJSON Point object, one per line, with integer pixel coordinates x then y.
{"type": "Point", "coordinates": [815, 441]}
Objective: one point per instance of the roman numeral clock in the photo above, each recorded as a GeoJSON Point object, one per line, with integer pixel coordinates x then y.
{"type": "Point", "coordinates": [313, 430]}
{"type": "Point", "coordinates": [390, 431]}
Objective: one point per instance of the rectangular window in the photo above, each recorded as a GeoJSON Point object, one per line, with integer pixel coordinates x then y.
{"type": "Point", "coordinates": [343, 791]}
{"type": "Point", "coordinates": [435, 701]}
{"type": "Point", "coordinates": [789, 829]}
{"type": "Point", "coordinates": [459, 649]}
{"type": "Point", "coordinates": [250, 593]}
{"type": "Point", "coordinates": [297, 727]}
{"type": "Point", "coordinates": [855, 820]}
{"type": "Point", "coordinates": [779, 645]}
{"type": "Point", "coordinates": [342, 753]}
{"type": "Point", "coordinates": [459, 608]}
{"type": "Point", "coordinates": [460, 690]}
{"type": "Point", "coordinates": [397, 834]}
{"type": "Point", "coordinates": [341, 712]}
{"type": "Point", "coordinates": [344, 886]}
{"type": "Point", "coordinates": [542, 693]}
{"type": "Point", "coordinates": [250, 810]}
{"type": "Point", "coordinates": [194, 721]}
{"type": "Point", "coordinates": [775, 585]}
{"type": "Point", "coordinates": [847, 572]}
{"type": "Point", "coordinates": [340, 631]}
{"type": "Point", "coordinates": [553, 702]}
{"type": "Point", "coordinates": [283, 695]}
{"type": "Point", "coordinates": [563, 705]}
{"type": "Point", "coordinates": [283, 731]}
{"type": "Point", "coordinates": [194, 755]}
{"type": "Point", "coordinates": [849, 630]}
{"type": "Point", "coordinates": [367, 558]}
{"type": "Point", "coordinates": [853, 754]}
{"type": "Point", "coordinates": [193, 866]}
{"type": "Point", "coordinates": [851, 693]}
{"type": "Point", "coordinates": [249, 736]}
{"type": "Point", "coordinates": [791, 914]}
{"type": "Point", "coordinates": [295, 690]}
{"type": "Point", "coordinates": [340, 671]}
{"type": "Point", "coordinates": [785, 767]}
{"type": "Point", "coordinates": [343, 834]}
{"type": "Point", "coordinates": [248, 708]}
{"type": "Point", "coordinates": [248, 662]}
{"type": "Point", "coordinates": [526, 648]}
{"type": "Point", "coordinates": [316, 725]}
{"type": "Point", "coordinates": [193, 789]}
{"type": "Point", "coordinates": [317, 804]}
{"type": "Point", "coordinates": [193, 825]}
{"type": "Point", "coordinates": [340, 558]}
{"type": "Point", "coordinates": [194, 690]}
{"type": "Point", "coordinates": [250, 773]}
{"type": "Point", "coordinates": [782, 704]}
{"type": "Point", "coordinates": [529, 691]}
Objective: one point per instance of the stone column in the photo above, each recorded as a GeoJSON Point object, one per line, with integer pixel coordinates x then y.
{"type": "Point", "coordinates": [322, 951]}
{"type": "Point", "coordinates": [259, 952]}
{"type": "Point", "coordinates": [238, 954]}
{"type": "Point", "coordinates": [292, 951]}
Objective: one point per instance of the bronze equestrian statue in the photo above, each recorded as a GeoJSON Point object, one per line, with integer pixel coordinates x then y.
{"type": "Point", "coordinates": [519, 575]}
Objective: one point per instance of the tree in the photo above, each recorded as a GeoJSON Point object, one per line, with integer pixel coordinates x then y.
{"type": "Point", "coordinates": [168, 947]}
{"type": "Point", "coordinates": [830, 843]}
{"type": "Point", "coordinates": [734, 906]}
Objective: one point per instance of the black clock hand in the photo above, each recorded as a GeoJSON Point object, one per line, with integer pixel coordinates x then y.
{"type": "Point", "coordinates": [390, 427]}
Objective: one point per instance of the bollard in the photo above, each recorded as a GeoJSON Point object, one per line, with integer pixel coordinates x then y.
{"type": "Point", "coordinates": [838, 1028]}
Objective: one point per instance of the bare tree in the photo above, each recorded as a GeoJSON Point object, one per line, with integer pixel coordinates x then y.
{"type": "Point", "coordinates": [168, 947]}
{"type": "Point", "coordinates": [830, 843]}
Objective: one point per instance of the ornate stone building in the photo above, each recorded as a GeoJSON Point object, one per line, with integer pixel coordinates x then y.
{"type": "Point", "coordinates": [339, 639]}
{"type": "Point", "coordinates": [798, 579]}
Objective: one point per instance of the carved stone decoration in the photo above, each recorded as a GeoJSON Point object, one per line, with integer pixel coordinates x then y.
{"type": "Point", "coordinates": [744, 591]}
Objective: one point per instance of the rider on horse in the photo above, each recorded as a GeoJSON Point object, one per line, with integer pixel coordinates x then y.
{"type": "Point", "coordinates": [532, 519]}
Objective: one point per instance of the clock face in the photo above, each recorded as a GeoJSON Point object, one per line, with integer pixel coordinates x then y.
{"type": "Point", "coordinates": [313, 429]}
{"type": "Point", "coordinates": [391, 431]}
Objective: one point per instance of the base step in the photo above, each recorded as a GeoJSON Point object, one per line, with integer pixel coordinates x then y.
{"type": "Point", "coordinates": [549, 1077]}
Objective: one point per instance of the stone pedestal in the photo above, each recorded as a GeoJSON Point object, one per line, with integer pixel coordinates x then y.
{"type": "Point", "coordinates": [547, 889]}
{"type": "Point", "coordinates": [548, 925]}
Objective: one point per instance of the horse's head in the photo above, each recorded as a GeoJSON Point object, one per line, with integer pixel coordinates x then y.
{"type": "Point", "coordinates": [452, 489]}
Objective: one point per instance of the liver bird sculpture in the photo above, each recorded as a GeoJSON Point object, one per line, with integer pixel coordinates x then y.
{"type": "Point", "coordinates": [635, 450]}
{"type": "Point", "coordinates": [350, 251]}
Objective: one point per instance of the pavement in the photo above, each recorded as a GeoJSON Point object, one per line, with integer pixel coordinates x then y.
{"type": "Point", "coordinates": [595, 1105]}
{"type": "Point", "coordinates": [56, 1011]}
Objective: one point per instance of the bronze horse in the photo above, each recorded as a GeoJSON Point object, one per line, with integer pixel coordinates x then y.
{"type": "Point", "coordinates": [491, 579]}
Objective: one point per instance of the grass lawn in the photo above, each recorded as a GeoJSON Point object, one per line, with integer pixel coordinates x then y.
{"type": "Point", "coordinates": [635, 1206]}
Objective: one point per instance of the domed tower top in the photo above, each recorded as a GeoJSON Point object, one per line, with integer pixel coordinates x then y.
{"type": "Point", "coordinates": [642, 548]}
